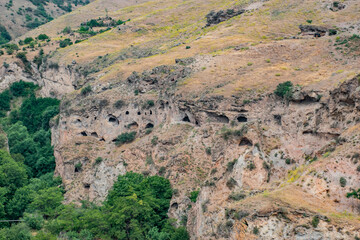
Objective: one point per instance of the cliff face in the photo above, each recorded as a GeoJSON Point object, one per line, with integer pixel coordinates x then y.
{"type": "Point", "coordinates": [195, 81]}
{"type": "Point", "coordinates": [272, 164]}
{"type": "Point", "coordinates": [54, 82]}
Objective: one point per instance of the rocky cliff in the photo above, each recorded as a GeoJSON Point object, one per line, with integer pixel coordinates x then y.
{"type": "Point", "coordinates": [194, 81]}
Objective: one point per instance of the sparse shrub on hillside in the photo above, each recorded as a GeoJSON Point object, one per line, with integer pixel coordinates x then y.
{"type": "Point", "coordinates": [98, 160]}
{"type": "Point", "coordinates": [86, 90]}
{"type": "Point", "coordinates": [237, 196]}
{"type": "Point", "coordinates": [28, 40]}
{"type": "Point", "coordinates": [43, 37]}
{"type": "Point", "coordinates": [154, 140]}
{"type": "Point", "coordinates": [125, 138]}
{"type": "Point", "coordinates": [53, 65]}
{"type": "Point", "coordinates": [230, 165]}
{"type": "Point", "coordinates": [256, 230]}
{"type": "Point", "coordinates": [208, 150]}
{"type": "Point", "coordinates": [78, 167]}
{"type": "Point", "coordinates": [354, 194]}
{"type": "Point", "coordinates": [342, 182]}
{"type": "Point", "coordinates": [358, 168]}
{"type": "Point", "coordinates": [284, 90]}
{"type": "Point", "coordinates": [4, 35]}
{"type": "Point", "coordinates": [66, 30]}
{"type": "Point", "coordinates": [149, 160]}
{"type": "Point", "coordinates": [231, 183]}
{"type": "Point", "coordinates": [119, 104]}
{"type": "Point", "coordinates": [194, 195]}
{"type": "Point", "coordinates": [315, 221]}
{"type": "Point", "coordinates": [251, 166]}
{"type": "Point", "coordinates": [162, 171]}
{"type": "Point", "coordinates": [66, 42]}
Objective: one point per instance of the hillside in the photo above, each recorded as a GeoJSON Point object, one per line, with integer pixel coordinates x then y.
{"type": "Point", "coordinates": [249, 108]}
{"type": "Point", "coordinates": [20, 16]}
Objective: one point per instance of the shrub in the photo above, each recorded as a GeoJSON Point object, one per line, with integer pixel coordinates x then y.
{"type": "Point", "coordinates": [315, 221]}
{"type": "Point", "coordinates": [125, 138]}
{"type": "Point", "coordinates": [119, 104]}
{"type": "Point", "coordinates": [43, 37]}
{"type": "Point", "coordinates": [284, 90]}
{"type": "Point", "coordinates": [28, 40]}
{"type": "Point", "coordinates": [208, 150]}
{"type": "Point", "coordinates": [98, 160]}
{"type": "Point", "coordinates": [309, 21]}
{"type": "Point", "coordinates": [154, 140]}
{"type": "Point", "coordinates": [256, 230]}
{"type": "Point", "coordinates": [231, 183]}
{"type": "Point", "coordinates": [86, 90]}
{"type": "Point", "coordinates": [251, 166]}
{"type": "Point", "coordinates": [230, 165]}
{"type": "Point", "coordinates": [332, 32]}
{"type": "Point", "coordinates": [162, 171]}
{"type": "Point", "coordinates": [66, 30]}
{"type": "Point", "coordinates": [149, 160]}
{"type": "Point", "coordinates": [78, 167]}
{"type": "Point", "coordinates": [342, 182]}
{"type": "Point", "coordinates": [358, 168]}
{"type": "Point", "coordinates": [288, 161]}
{"type": "Point", "coordinates": [237, 196]}
{"type": "Point", "coordinates": [66, 42]}
{"type": "Point", "coordinates": [53, 65]}
{"type": "Point", "coordinates": [136, 92]}
{"type": "Point", "coordinates": [194, 195]}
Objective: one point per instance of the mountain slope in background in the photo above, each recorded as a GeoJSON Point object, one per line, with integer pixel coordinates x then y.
{"type": "Point", "coordinates": [20, 16]}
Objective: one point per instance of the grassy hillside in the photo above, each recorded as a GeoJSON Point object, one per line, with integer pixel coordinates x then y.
{"type": "Point", "coordinates": [20, 16]}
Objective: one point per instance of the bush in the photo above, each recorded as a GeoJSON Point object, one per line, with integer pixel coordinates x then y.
{"type": "Point", "coordinates": [66, 30]}
{"type": "Point", "coordinates": [43, 37]}
{"type": "Point", "coordinates": [125, 138]}
{"type": "Point", "coordinates": [162, 171]}
{"type": "Point", "coordinates": [231, 183]}
{"type": "Point", "coordinates": [342, 182]}
{"type": "Point", "coordinates": [208, 150]}
{"type": "Point", "coordinates": [66, 42]}
{"type": "Point", "coordinates": [98, 160]}
{"type": "Point", "coordinates": [78, 167]}
{"type": "Point", "coordinates": [28, 40]}
{"type": "Point", "coordinates": [230, 165]}
{"type": "Point", "coordinates": [119, 104]}
{"type": "Point", "coordinates": [86, 90]}
{"type": "Point", "coordinates": [154, 140]}
{"type": "Point", "coordinates": [237, 196]}
{"type": "Point", "coordinates": [194, 195]}
{"type": "Point", "coordinates": [315, 221]}
{"type": "Point", "coordinates": [284, 90]}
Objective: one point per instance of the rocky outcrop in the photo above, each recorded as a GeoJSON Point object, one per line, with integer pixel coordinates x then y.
{"type": "Point", "coordinates": [316, 31]}
{"type": "Point", "coordinates": [232, 151]}
{"type": "Point", "coordinates": [55, 81]}
{"type": "Point", "coordinates": [222, 16]}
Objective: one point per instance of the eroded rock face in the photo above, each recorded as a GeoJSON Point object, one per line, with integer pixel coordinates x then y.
{"type": "Point", "coordinates": [54, 82]}
{"type": "Point", "coordinates": [316, 31]}
{"type": "Point", "coordinates": [233, 152]}
{"type": "Point", "coordinates": [221, 16]}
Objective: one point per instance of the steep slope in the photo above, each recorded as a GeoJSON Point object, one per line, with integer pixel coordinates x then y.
{"type": "Point", "coordinates": [200, 101]}
{"type": "Point", "coordinates": [20, 16]}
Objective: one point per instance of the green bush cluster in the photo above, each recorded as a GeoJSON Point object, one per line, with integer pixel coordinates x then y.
{"type": "Point", "coordinates": [284, 90]}
{"type": "Point", "coordinates": [123, 138]}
